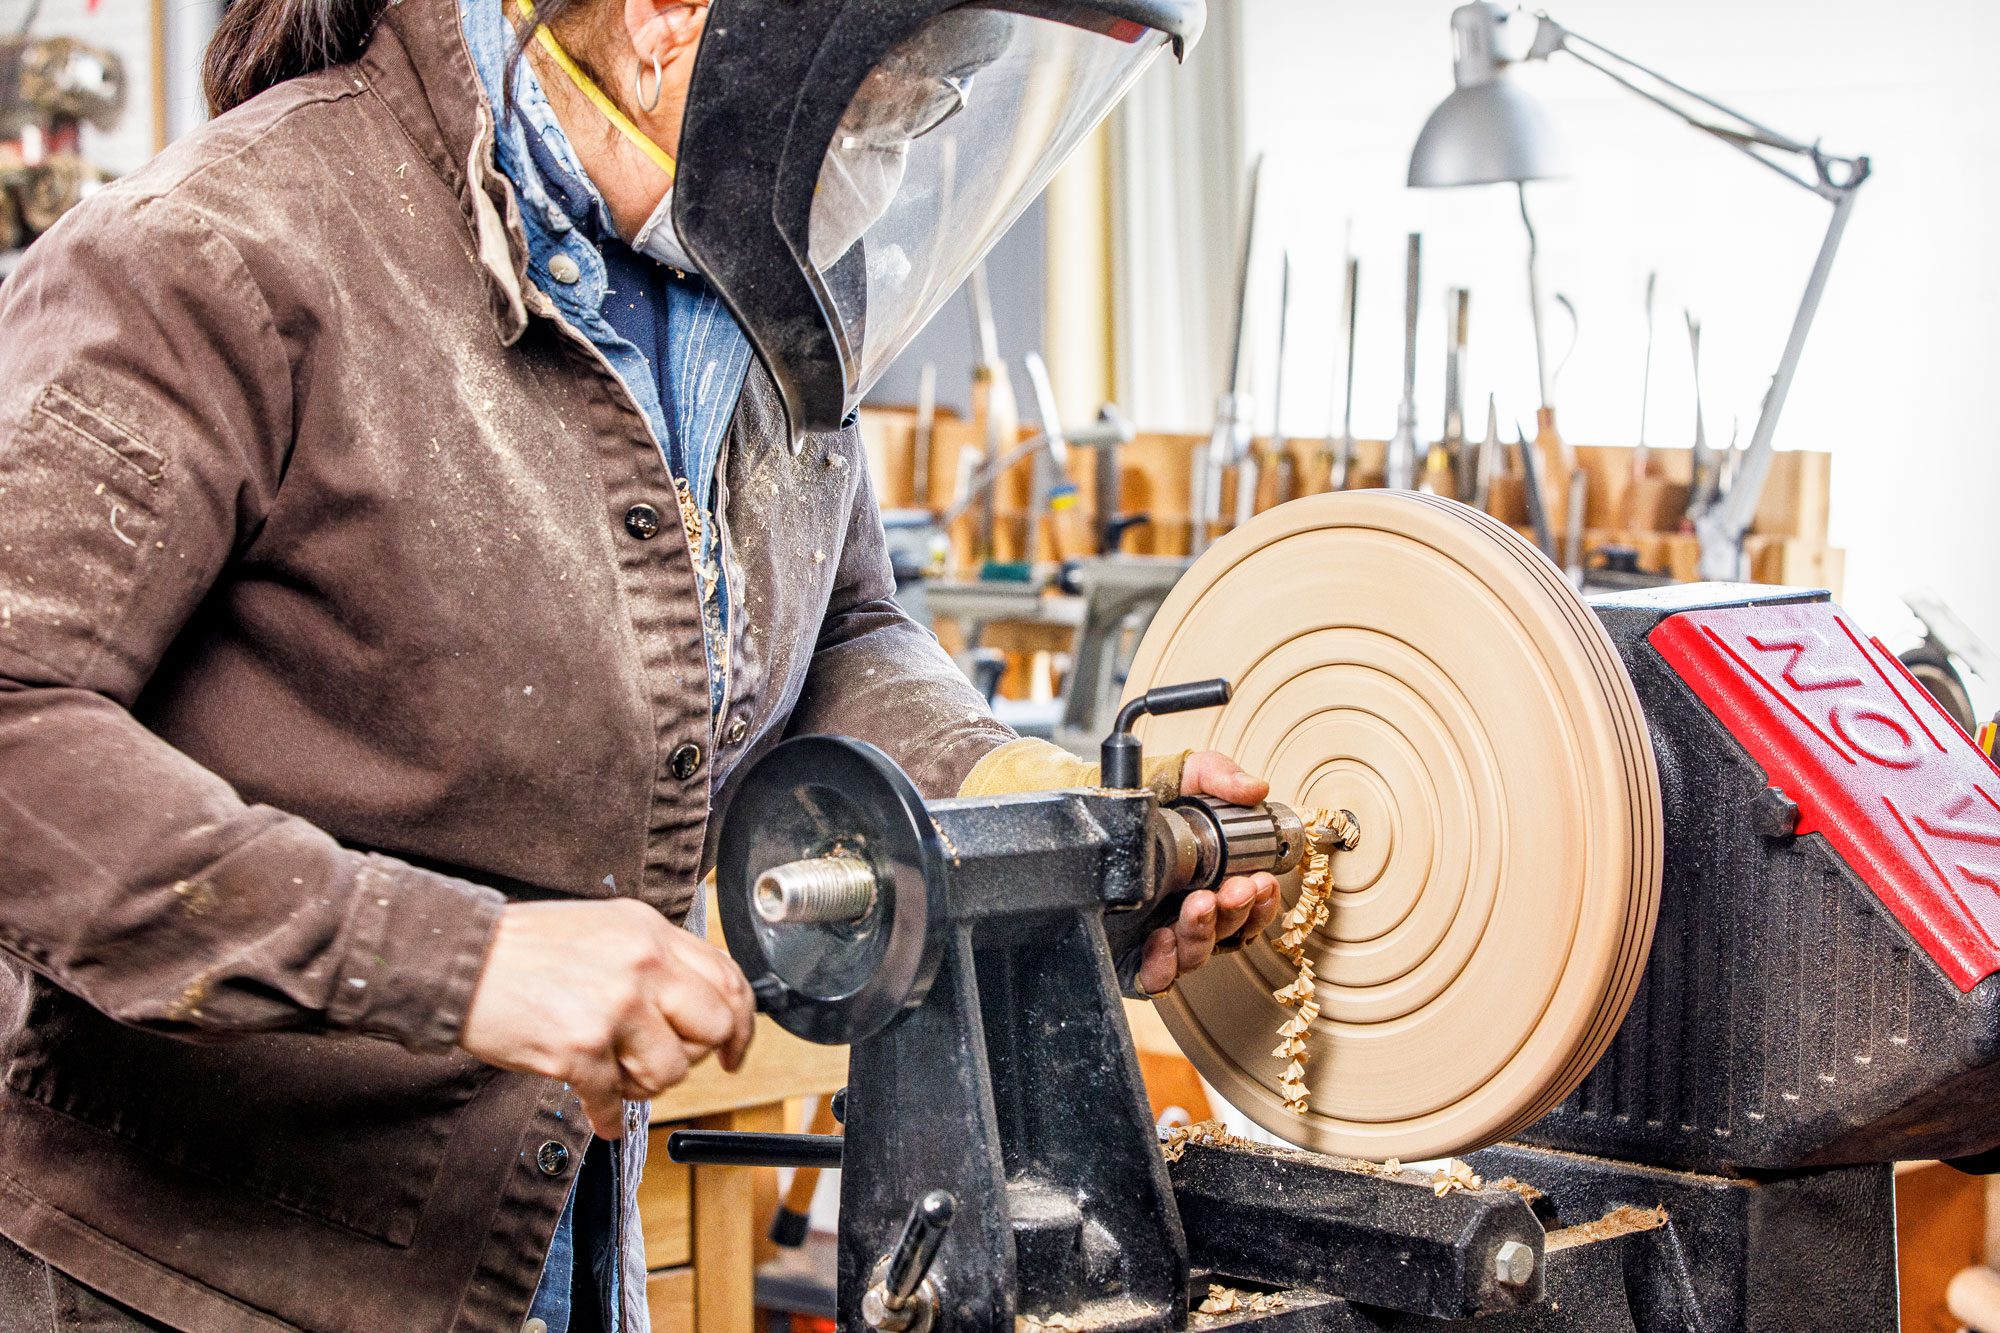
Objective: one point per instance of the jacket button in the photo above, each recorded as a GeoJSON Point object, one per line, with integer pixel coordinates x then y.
{"type": "Point", "coordinates": [643, 522]}
{"type": "Point", "coordinates": [564, 270]}
{"type": "Point", "coordinates": [738, 729]}
{"type": "Point", "coordinates": [552, 1158]}
{"type": "Point", "coordinates": [535, 1326]}
{"type": "Point", "coordinates": [686, 761]}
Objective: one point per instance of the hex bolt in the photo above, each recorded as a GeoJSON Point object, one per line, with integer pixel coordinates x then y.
{"type": "Point", "coordinates": [1773, 814]}
{"type": "Point", "coordinates": [1514, 1264]}
{"type": "Point", "coordinates": [818, 891]}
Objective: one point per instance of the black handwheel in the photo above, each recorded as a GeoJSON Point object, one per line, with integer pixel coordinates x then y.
{"type": "Point", "coordinates": [1935, 671]}
{"type": "Point", "coordinates": [820, 796]}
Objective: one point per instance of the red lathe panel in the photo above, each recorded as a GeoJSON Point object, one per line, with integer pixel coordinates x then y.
{"type": "Point", "coordinates": [1874, 764]}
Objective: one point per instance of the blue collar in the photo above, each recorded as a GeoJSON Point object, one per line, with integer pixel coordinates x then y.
{"type": "Point", "coordinates": [668, 337]}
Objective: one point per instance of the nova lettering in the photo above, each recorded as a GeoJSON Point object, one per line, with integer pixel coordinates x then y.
{"type": "Point", "coordinates": [1970, 818]}
{"type": "Point", "coordinates": [1799, 645]}
{"type": "Point", "coordinates": [1877, 769]}
{"type": "Point", "coordinates": [1874, 733]}
{"type": "Point", "coordinates": [1815, 665]}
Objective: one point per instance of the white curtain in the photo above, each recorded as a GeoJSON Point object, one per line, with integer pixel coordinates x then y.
{"type": "Point", "coordinates": [1177, 172]}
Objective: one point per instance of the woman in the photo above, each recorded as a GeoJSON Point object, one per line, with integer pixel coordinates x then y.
{"type": "Point", "coordinates": [395, 565]}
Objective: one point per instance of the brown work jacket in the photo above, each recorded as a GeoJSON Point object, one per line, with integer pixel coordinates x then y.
{"type": "Point", "coordinates": [327, 625]}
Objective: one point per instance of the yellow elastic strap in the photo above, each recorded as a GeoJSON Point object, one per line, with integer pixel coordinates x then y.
{"type": "Point", "coordinates": [588, 87]}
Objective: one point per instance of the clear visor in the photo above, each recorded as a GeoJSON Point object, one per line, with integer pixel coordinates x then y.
{"type": "Point", "coordinates": [944, 144]}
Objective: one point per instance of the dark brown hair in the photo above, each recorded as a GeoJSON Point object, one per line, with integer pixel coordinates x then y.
{"type": "Point", "coordinates": [261, 43]}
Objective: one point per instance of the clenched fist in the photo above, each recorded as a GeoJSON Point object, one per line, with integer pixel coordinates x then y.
{"type": "Point", "coordinates": [609, 998]}
{"type": "Point", "coordinates": [1243, 903]}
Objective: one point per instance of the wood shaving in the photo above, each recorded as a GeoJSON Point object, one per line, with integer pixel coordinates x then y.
{"type": "Point", "coordinates": [1228, 1300]}
{"type": "Point", "coordinates": [1055, 1323]}
{"type": "Point", "coordinates": [1455, 1175]}
{"type": "Point", "coordinates": [1620, 1221]}
{"type": "Point", "coordinates": [1208, 1132]}
{"type": "Point", "coordinates": [1324, 830]}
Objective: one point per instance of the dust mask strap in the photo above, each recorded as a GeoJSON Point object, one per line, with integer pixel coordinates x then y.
{"type": "Point", "coordinates": [586, 85]}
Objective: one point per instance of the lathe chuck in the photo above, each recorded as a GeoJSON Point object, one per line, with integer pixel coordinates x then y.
{"type": "Point", "coordinates": [1414, 662]}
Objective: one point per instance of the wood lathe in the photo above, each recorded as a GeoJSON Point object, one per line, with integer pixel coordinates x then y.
{"type": "Point", "coordinates": [1675, 915]}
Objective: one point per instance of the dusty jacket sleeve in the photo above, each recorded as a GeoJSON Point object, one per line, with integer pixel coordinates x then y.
{"type": "Point", "coordinates": [878, 676]}
{"type": "Point", "coordinates": [145, 411]}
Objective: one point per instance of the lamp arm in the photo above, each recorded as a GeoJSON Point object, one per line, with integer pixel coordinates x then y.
{"type": "Point", "coordinates": [1722, 528]}
{"type": "Point", "coordinates": [1831, 177]}
{"type": "Point", "coordinates": [1535, 298]}
{"type": "Point", "coordinates": [1723, 525]}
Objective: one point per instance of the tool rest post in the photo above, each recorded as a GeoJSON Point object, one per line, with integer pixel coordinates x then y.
{"type": "Point", "coordinates": [724, 1147]}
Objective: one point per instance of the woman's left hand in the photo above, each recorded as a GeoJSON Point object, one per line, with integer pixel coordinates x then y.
{"type": "Point", "coordinates": [1246, 903]}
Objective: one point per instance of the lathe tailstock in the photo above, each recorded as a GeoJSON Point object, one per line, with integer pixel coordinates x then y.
{"type": "Point", "coordinates": [1748, 866]}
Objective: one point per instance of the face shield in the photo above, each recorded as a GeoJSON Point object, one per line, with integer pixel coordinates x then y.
{"type": "Point", "coordinates": [836, 217]}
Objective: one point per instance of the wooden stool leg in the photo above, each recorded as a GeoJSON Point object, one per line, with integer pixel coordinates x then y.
{"type": "Point", "coordinates": [726, 1230]}
{"type": "Point", "coordinates": [792, 1222]}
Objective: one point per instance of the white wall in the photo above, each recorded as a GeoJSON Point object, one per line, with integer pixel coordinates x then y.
{"type": "Point", "coordinates": [1892, 380]}
{"type": "Point", "coordinates": [189, 23]}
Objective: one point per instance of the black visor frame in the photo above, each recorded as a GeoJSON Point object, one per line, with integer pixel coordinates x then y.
{"type": "Point", "coordinates": [771, 82]}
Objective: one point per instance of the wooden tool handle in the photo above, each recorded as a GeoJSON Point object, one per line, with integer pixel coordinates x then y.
{"type": "Point", "coordinates": [1558, 462]}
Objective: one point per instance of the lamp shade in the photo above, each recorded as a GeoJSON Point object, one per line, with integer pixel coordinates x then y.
{"type": "Point", "coordinates": [1486, 134]}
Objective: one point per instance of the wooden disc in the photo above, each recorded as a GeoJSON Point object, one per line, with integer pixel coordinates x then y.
{"type": "Point", "coordinates": [1413, 661]}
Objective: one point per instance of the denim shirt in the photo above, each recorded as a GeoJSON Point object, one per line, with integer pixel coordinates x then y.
{"type": "Point", "coordinates": [666, 333]}
{"type": "Point", "coordinates": [683, 358]}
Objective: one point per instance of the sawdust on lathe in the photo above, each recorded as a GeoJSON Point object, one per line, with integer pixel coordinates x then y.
{"type": "Point", "coordinates": [1520, 1187]}
{"type": "Point", "coordinates": [1620, 1221]}
{"type": "Point", "coordinates": [1307, 915]}
{"type": "Point", "coordinates": [1228, 1300]}
{"type": "Point", "coordinates": [1055, 1323]}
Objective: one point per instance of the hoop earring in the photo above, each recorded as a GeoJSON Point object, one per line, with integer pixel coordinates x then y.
{"type": "Point", "coordinates": [647, 104]}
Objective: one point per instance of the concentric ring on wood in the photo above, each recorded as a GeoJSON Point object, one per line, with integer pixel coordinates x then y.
{"type": "Point", "coordinates": [1415, 662]}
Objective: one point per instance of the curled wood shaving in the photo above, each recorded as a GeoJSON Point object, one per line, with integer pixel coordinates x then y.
{"type": "Point", "coordinates": [1055, 1323]}
{"type": "Point", "coordinates": [1455, 1175]}
{"type": "Point", "coordinates": [1325, 829]}
{"type": "Point", "coordinates": [1174, 1143]}
{"type": "Point", "coordinates": [1228, 1300]}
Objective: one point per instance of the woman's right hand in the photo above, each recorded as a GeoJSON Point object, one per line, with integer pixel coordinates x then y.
{"type": "Point", "coordinates": [609, 998]}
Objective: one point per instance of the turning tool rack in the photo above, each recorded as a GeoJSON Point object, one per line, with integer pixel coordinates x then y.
{"type": "Point", "coordinates": [1787, 544]}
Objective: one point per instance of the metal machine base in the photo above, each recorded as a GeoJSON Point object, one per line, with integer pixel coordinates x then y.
{"type": "Point", "coordinates": [1629, 1249]}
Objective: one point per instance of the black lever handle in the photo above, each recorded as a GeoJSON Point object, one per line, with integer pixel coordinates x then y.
{"type": "Point", "coordinates": [1120, 756]}
{"type": "Point", "coordinates": [1175, 699]}
{"type": "Point", "coordinates": [922, 1235]}
{"type": "Point", "coordinates": [773, 996]}
{"type": "Point", "coordinates": [729, 1147]}
{"type": "Point", "coordinates": [1116, 527]}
